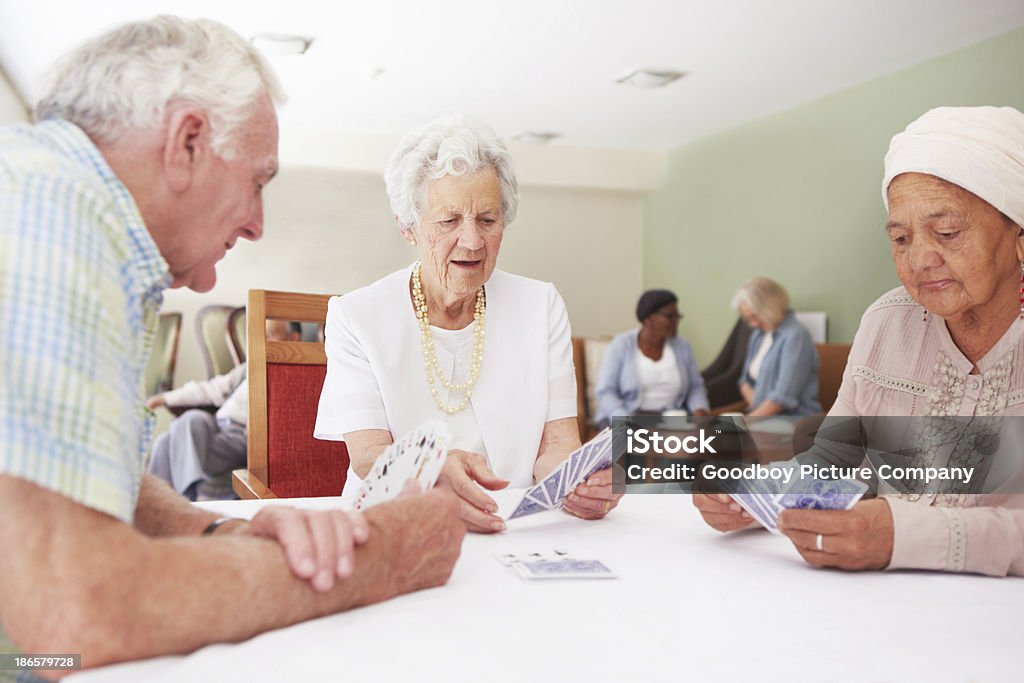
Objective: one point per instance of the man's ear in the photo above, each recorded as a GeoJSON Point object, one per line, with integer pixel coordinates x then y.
{"type": "Point", "coordinates": [186, 146]}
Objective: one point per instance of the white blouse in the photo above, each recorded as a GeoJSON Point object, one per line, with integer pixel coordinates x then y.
{"type": "Point", "coordinates": [454, 350]}
{"type": "Point", "coordinates": [376, 379]}
{"type": "Point", "coordinates": [659, 379]}
{"type": "Point", "coordinates": [754, 369]}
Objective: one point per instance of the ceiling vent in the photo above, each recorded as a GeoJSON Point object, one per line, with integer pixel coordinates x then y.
{"type": "Point", "coordinates": [650, 78]}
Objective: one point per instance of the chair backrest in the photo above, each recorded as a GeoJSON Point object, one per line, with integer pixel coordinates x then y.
{"type": "Point", "coordinates": [587, 355]}
{"type": "Point", "coordinates": [212, 336]}
{"type": "Point", "coordinates": [579, 367]}
{"type": "Point", "coordinates": [832, 359]}
{"type": "Point", "coordinates": [285, 379]}
{"type": "Point", "coordinates": [159, 373]}
{"type": "Point", "coordinates": [237, 334]}
{"type": "Point", "coordinates": [816, 323]}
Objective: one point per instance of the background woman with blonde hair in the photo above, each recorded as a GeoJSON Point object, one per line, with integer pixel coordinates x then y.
{"type": "Point", "coordinates": [780, 374]}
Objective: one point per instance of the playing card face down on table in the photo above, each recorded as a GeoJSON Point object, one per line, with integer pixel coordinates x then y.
{"type": "Point", "coordinates": [550, 492]}
{"type": "Point", "coordinates": [418, 456]}
{"type": "Point", "coordinates": [553, 563]}
{"type": "Point", "coordinates": [564, 569]}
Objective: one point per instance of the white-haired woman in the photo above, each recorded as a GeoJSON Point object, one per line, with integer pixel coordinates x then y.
{"type": "Point", "coordinates": [946, 348]}
{"type": "Point", "coordinates": [452, 338]}
{"type": "Point", "coordinates": [780, 373]}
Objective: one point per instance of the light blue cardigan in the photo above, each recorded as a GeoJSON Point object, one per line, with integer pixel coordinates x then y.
{"type": "Point", "coordinates": [618, 384]}
{"type": "Point", "coordinates": [789, 371]}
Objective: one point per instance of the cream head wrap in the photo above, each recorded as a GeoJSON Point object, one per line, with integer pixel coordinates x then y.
{"type": "Point", "coordinates": [981, 149]}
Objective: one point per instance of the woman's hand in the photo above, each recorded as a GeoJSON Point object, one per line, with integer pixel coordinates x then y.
{"type": "Point", "coordinates": [593, 498]}
{"type": "Point", "coordinates": [747, 392]}
{"type": "Point", "coordinates": [766, 408]}
{"type": "Point", "coordinates": [855, 539]}
{"type": "Point", "coordinates": [722, 513]}
{"type": "Point", "coordinates": [462, 473]}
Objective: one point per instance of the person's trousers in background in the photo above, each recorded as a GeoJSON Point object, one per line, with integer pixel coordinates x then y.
{"type": "Point", "coordinates": [195, 449]}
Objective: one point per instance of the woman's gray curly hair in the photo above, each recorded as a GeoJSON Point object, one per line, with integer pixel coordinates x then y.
{"type": "Point", "coordinates": [452, 145]}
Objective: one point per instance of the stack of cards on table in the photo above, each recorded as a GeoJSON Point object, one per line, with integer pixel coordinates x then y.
{"type": "Point", "coordinates": [419, 456]}
{"type": "Point", "coordinates": [550, 492]}
{"type": "Point", "coordinates": [556, 564]}
{"type": "Point", "coordinates": [764, 500]}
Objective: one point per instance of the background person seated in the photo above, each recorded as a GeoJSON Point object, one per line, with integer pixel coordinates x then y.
{"type": "Point", "coordinates": [780, 375]}
{"type": "Point", "coordinates": [199, 446]}
{"type": "Point", "coordinates": [652, 369]}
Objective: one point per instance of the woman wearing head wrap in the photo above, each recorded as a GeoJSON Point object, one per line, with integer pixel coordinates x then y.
{"type": "Point", "coordinates": [949, 342]}
{"type": "Point", "coordinates": [651, 369]}
{"type": "Point", "coordinates": [453, 338]}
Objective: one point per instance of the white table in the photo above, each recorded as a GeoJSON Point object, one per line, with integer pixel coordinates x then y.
{"type": "Point", "coordinates": [691, 605]}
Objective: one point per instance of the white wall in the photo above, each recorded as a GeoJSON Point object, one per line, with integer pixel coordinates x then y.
{"type": "Point", "coordinates": [556, 165]}
{"type": "Point", "coordinates": [331, 231]}
{"type": "Point", "coordinates": [12, 109]}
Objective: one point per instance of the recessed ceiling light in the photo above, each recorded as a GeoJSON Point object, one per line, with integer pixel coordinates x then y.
{"type": "Point", "coordinates": [650, 78]}
{"type": "Point", "coordinates": [282, 43]}
{"type": "Point", "coordinates": [532, 137]}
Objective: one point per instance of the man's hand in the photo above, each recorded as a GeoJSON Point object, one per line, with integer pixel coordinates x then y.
{"type": "Point", "coordinates": [420, 536]}
{"type": "Point", "coordinates": [462, 472]}
{"type": "Point", "coordinates": [722, 513]}
{"type": "Point", "coordinates": [593, 498]}
{"type": "Point", "coordinates": [318, 544]}
{"type": "Point", "coordinates": [855, 539]}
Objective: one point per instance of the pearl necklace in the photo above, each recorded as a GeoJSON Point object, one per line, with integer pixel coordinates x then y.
{"type": "Point", "coordinates": [430, 363]}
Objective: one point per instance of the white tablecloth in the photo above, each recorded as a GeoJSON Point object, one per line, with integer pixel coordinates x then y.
{"type": "Point", "coordinates": [690, 605]}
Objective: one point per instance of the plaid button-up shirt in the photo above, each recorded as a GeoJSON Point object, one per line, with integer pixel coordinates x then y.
{"type": "Point", "coordinates": [81, 283]}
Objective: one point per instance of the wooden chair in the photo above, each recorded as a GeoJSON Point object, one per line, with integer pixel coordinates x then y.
{"type": "Point", "coordinates": [285, 379]}
{"type": "Point", "coordinates": [587, 353]}
{"type": "Point", "coordinates": [832, 360]}
{"type": "Point", "coordinates": [831, 365]}
{"type": "Point", "coordinates": [579, 366]}
{"type": "Point", "coordinates": [237, 330]}
{"type": "Point", "coordinates": [159, 372]}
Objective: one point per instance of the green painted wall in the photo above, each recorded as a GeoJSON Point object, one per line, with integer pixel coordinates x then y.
{"type": "Point", "coordinates": [796, 196]}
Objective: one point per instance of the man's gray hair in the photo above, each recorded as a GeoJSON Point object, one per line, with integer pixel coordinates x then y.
{"type": "Point", "coordinates": [452, 145]}
{"type": "Point", "coordinates": [125, 79]}
{"type": "Point", "coordinates": [768, 300]}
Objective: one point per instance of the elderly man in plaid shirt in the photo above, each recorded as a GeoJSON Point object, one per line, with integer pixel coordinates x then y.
{"type": "Point", "coordinates": [155, 143]}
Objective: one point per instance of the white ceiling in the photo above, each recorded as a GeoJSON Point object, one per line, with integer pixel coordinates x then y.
{"type": "Point", "coordinates": [547, 65]}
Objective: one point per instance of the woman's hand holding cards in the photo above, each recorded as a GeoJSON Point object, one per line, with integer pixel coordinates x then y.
{"type": "Point", "coordinates": [722, 513]}
{"type": "Point", "coordinates": [593, 499]}
{"type": "Point", "coordinates": [464, 473]}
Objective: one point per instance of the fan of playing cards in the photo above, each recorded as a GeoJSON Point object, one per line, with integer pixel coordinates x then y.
{"type": "Point", "coordinates": [550, 492]}
{"type": "Point", "coordinates": [419, 455]}
{"type": "Point", "coordinates": [765, 500]}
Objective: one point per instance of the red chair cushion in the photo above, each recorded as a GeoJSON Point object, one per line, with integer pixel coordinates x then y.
{"type": "Point", "coordinates": [297, 464]}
